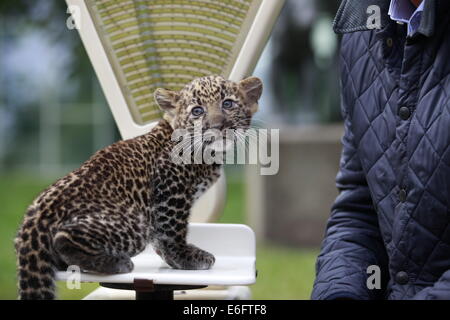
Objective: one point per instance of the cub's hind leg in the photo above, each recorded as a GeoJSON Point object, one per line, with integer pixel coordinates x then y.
{"type": "Point", "coordinates": [75, 252]}
{"type": "Point", "coordinates": [100, 244]}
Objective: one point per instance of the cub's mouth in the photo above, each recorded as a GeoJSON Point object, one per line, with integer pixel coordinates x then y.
{"type": "Point", "coordinates": [218, 141]}
{"type": "Point", "coordinates": [221, 145]}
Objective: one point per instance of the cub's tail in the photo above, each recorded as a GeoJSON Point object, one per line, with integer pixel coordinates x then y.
{"type": "Point", "coordinates": [35, 267]}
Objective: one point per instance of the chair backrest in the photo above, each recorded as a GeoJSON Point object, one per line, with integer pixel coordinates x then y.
{"type": "Point", "coordinates": [137, 46]}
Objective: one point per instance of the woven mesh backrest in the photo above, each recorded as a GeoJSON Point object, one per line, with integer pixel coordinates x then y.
{"type": "Point", "coordinates": [167, 43]}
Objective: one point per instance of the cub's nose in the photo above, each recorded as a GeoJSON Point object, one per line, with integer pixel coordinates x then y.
{"type": "Point", "coordinates": [217, 121]}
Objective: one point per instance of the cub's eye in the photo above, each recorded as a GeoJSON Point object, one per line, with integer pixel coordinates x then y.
{"type": "Point", "coordinates": [227, 104]}
{"type": "Point", "coordinates": [197, 111]}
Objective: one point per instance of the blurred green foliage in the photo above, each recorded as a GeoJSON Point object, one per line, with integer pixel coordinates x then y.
{"type": "Point", "coordinates": [283, 273]}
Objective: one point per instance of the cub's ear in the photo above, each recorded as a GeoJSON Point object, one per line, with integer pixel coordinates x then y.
{"type": "Point", "coordinates": [166, 99]}
{"type": "Point", "coordinates": [252, 87]}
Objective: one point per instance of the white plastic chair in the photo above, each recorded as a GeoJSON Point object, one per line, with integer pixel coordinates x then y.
{"type": "Point", "coordinates": [136, 46]}
{"type": "Point", "coordinates": [233, 246]}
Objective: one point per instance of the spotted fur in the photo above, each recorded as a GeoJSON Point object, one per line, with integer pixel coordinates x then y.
{"type": "Point", "coordinates": [130, 194]}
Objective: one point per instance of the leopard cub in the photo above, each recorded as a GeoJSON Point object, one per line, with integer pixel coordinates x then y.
{"type": "Point", "coordinates": [131, 194]}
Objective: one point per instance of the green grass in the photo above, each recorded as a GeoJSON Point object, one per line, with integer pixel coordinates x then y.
{"type": "Point", "coordinates": [15, 195]}
{"type": "Point", "coordinates": [283, 273]}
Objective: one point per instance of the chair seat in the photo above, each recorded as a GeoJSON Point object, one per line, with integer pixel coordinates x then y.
{"type": "Point", "coordinates": [233, 245]}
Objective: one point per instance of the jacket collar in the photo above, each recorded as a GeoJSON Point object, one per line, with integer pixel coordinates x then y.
{"type": "Point", "coordinates": [353, 15]}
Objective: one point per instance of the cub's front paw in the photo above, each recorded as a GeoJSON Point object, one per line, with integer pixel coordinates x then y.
{"type": "Point", "coordinates": [189, 257]}
{"type": "Point", "coordinates": [200, 259]}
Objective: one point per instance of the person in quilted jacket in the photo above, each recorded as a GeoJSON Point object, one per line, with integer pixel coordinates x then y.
{"type": "Point", "coordinates": [388, 236]}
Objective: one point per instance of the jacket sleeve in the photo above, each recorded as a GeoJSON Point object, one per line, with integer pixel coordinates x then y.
{"type": "Point", "coordinates": [352, 241]}
{"type": "Point", "coordinates": [439, 291]}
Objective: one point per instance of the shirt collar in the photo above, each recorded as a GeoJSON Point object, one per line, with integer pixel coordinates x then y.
{"type": "Point", "coordinates": [403, 11]}
{"type": "Point", "coordinates": [353, 15]}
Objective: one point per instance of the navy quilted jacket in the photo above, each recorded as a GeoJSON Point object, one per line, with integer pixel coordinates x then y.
{"type": "Point", "coordinates": [393, 210]}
